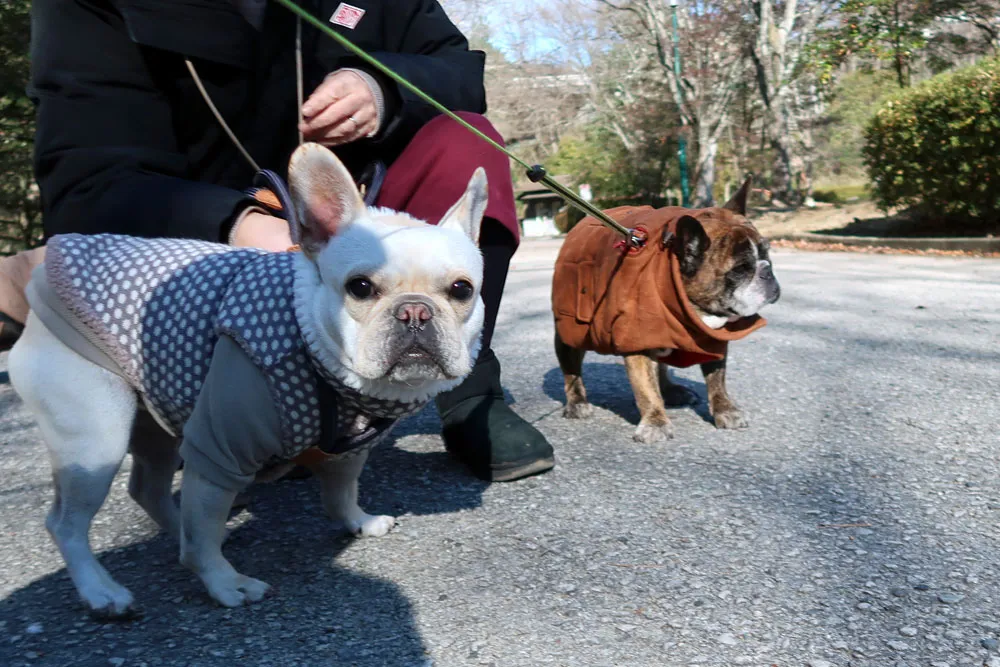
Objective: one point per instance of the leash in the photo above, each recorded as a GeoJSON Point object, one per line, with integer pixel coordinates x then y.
{"type": "Point", "coordinates": [536, 173]}
{"type": "Point", "coordinates": [299, 91]}
{"type": "Point", "coordinates": [634, 239]}
{"type": "Point", "coordinates": [269, 189]}
{"type": "Point", "coordinates": [218, 115]}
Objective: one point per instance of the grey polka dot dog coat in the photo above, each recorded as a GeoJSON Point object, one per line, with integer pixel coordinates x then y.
{"type": "Point", "coordinates": [156, 307]}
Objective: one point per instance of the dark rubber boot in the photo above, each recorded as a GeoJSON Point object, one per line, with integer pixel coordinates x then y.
{"type": "Point", "coordinates": [482, 432]}
{"type": "Point", "coordinates": [10, 331]}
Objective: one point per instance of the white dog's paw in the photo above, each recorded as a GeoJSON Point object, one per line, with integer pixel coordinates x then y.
{"type": "Point", "coordinates": [650, 433]}
{"type": "Point", "coordinates": [371, 526]}
{"type": "Point", "coordinates": [108, 599]}
{"type": "Point", "coordinates": [236, 591]}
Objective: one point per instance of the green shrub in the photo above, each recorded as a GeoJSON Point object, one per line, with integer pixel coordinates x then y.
{"type": "Point", "coordinates": [20, 214]}
{"type": "Point", "coordinates": [841, 194]}
{"type": "Point", "coordinates": [936, 147]}
{"type": "Point", "coordinates": [840, 133]}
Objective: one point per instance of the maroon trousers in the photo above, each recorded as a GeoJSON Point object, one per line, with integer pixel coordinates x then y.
{"type": "Point", "coordinates": [435, 167]}
{"type": "Point", "coordinates": [432, 173]}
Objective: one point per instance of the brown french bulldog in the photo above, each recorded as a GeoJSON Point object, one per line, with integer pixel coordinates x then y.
{"type": "Point", "coordinates": [697, 284]}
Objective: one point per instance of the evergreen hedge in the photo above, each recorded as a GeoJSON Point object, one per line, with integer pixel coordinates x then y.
{"type": "Point", "coordinates": [936, 146]}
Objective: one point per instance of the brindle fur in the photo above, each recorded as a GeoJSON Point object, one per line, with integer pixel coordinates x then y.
{"type": "Point", "coordinates": [710, 254]}
{"type": "Point", "coordinates": [732, 240]}
{"type": "Point", "coordinates": [654, 423]}
{"type": "Point", "coordinates": [571, 363]}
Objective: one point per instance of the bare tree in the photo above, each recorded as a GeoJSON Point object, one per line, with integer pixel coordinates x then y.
{"type": "Point", "coordinates": [614, 72]}
{"type": "Point", "coordinates": [783, 31]}
{"type": "Point", "coordinates": [533, 97]}
{"type": "Point", "coordinates": [983, 15]}
{"type": "Point", "coordinates": [711, 66]}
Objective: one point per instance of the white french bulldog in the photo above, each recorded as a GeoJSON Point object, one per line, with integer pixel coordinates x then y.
{"type": "Point", "coordinates": [392, 310]}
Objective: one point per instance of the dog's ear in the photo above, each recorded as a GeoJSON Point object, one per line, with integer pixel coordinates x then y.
{"type": "Point", "coordinates": [738, 202]}
{"type": "Point", "coordinates": [467, 213]}
{"type": "Point", "coordinates": [690, 243]}
{"type": "Point", "coordinates": [324, 196]}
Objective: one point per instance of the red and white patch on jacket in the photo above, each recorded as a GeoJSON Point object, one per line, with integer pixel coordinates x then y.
{"type": "Point", "coordinates": [347, 15]}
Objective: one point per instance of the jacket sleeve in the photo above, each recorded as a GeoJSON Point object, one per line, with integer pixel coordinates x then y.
{"type": "Point", "coordinates": [427, 49]}
{"type": "Point", "coordinates": [234, 429]}
{"type": "Point", "coordinates": [106, 156]}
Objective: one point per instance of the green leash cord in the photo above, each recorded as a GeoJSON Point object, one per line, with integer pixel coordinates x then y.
{"type": "Point", "coordinates": [536, 173]}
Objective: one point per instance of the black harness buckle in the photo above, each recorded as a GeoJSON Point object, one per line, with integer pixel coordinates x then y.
{"type": "Point", "coordinates": [347, 443]}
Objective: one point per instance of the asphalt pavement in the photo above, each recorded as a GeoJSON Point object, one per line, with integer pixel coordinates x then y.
{"type": "Point", "coordinates": [854, 523]}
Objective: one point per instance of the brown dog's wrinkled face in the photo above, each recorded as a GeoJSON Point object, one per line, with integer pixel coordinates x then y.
{"type": "Point", "coordinates": [725, 262]}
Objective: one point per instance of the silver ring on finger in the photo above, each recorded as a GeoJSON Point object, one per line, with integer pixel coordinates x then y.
{"type": "Point", "coordinates": [353, 120]}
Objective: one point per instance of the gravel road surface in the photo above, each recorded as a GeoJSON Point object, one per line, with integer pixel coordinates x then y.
{"type": "Point", "coordinates": [854, 523]}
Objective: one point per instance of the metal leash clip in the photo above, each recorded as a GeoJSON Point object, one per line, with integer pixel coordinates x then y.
{"type": "Point", "coordinates": [637, 237]}
{"type": "Point", "coordinates": [634, 241]}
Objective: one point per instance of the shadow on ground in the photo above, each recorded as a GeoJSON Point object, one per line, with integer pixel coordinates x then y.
{"type": "Point", "coordinates": [320, 611]}
{"type": "Point", "coordinates": [910, 224]}
{"type": "Point", "coordinates": [608, 388]}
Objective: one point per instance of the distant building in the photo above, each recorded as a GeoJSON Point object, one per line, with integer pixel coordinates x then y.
{"type": "Point", "coordinates": [540, 208]}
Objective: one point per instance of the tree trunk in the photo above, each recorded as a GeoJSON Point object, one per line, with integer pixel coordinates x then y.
{"type": "Point", "coordinates": [739, 154]}
{"type": "Point", "coordinates": [784, 177]}
{"type": "Point", "coordinates": [808, 142]}
{"type": "Point", "coordinates": [897, 47]}
{"type": "Point", "coordinates": [779, 52]}
{"type": "Point", "coordinates": [708, 148]}
{"type": "Point", "coordinates": [787, 161]}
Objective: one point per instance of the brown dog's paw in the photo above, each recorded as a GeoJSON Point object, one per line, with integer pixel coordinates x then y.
{"type": "Point", "coordinates": [650, 433]}
{"type": "Point", "coordinates": [578, 410]}
{"type": "Point", "coordinates": [732, 419]}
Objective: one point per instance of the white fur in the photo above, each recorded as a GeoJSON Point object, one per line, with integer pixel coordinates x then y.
{"type": "Point", "coordinates": [338, 481]}
{"type": "Point", "coordinates": [86, 413]}
{"type": "Point", "coordinates": [204, 510]}
{"type": "Point", "coordinates": [396, 254]}
{"type": "Point", "coordinates": [467, 213]}
{"type": "Point", "coordinates": [714, 321]}
{"type": "Point", "coordinates": [749, 298]}
{"type": "Point", "coordinates": [402, 255]}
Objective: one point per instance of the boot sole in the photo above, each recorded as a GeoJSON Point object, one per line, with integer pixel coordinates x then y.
{"type": "Point", "coordinates": [513, 471]}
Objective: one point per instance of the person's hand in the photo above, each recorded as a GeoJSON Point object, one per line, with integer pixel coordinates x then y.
{"type": "Point", "coordinates": [341, 110]}
{"type": "Point", "coordinates": [260, 230]}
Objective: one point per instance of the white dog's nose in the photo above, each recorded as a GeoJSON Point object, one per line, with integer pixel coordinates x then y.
{"type": "Point", "coordinates": [414, 313]}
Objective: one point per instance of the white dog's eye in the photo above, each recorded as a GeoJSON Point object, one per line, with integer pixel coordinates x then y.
{"type": "Point", "coordinates": [360, 287]}
{"type": "Point", "coordinates": [461, 290]}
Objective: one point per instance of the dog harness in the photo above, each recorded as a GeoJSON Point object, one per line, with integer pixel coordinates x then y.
{"type": "Point", "coordinates": [616, 299]}
{"type": "Point", "coordinates": [157, 307]}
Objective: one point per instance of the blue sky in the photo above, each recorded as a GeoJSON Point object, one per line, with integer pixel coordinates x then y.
{"type": "Point", "coordinates": [505, 30]}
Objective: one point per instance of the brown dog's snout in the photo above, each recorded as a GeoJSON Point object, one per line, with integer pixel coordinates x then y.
{"type": "Point", "coordinates": [414, 314]}
{"type": "Point", "coordinates": [771, 286]}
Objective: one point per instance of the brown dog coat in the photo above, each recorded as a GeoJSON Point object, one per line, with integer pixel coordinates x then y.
{"type": "Point", "coordinates": [614, 302]}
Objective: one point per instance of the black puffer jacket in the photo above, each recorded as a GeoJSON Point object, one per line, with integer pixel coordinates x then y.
{"type": "Point", "coordinates": [126, 144]}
